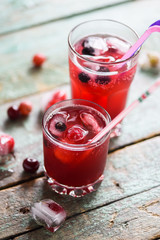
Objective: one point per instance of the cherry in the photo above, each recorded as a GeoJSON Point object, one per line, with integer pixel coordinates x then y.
{"type": "Point", "coordinates": [6, 144]}
{"type": "Point", "coordinates": [30, 165]}
{"type": "Point", "coordinates": [13, 112]}
{"type": "Point", "coordinates": [38, 60]}
{"type": "Point", "coordinates": [61, 126]}
{"type": "Point", "coordinates": [25, 108]}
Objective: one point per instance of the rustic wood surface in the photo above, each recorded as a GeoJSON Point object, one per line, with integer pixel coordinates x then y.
{"type": "Point", "coordinates": [127, 204]}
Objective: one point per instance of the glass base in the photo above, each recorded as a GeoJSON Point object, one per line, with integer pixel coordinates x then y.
{"type": "Point", "coordinates": [74, 191]}
{"type": "Point", "coordinates": [116, 131]}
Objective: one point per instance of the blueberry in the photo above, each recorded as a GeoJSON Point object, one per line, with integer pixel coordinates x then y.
{"type": "Point", "coordinates": [103, 80]}
{"type": "Point", "coordinates": [61, 126]}
{"type": "Point", "coordinates": [88, 51]}
{"type": "Point", "coordinates": [103, 69]}
{"type": "Point", "coordinates": [83, 77]}
{"type": "Point", "coordinates": [85, 43]}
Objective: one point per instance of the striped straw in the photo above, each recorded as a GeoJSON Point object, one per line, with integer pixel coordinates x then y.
{"type": "Point", "coordinates": [125, 112]}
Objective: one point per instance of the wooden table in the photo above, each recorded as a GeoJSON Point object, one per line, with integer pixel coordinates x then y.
{"type": "Point", "coordinates": [127, 205]}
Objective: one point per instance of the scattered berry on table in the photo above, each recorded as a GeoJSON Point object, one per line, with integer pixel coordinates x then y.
{"type": "Point", "coordinates": [30, 165]}
{"type": "Point", "coordinates": [6, 144]}
{"type": "Point", "coordinates": [25, 108]}
{"type": "Point", "coordinates": [53, 98]}
{"type": "Point", "coordinates": [38, 60]}
{"type": "Point", "coordinates": [13, 112]}
{"type": "Point", "coordinates": [48, 214]}
{"type": "Point", "coordinates": [83, 77]}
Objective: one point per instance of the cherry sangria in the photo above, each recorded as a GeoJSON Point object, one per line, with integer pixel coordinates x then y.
{"type": "Point", "coordinates": [96, 70]}
{"type": "Point", "coordinates": [74, 165]}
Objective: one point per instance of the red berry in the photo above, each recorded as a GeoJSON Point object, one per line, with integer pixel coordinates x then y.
{"type": "Point", "coordinates": [38, 60]}
{"type": "Point", "coordinates": [57, 96]}
{"type": "Point", "coordinates": [6, 144]}
{"type": "Point", "coordinates": [13, 112]}
{"type": "Point", "coordinates": [30, 165]}
{"type": "Point", "coordinates": [25, 108]}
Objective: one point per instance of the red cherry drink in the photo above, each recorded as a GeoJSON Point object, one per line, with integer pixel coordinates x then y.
{"type": "Point", "coordinates": [97, 76]}
{"type": "Point", "coordinates": [72, 163]}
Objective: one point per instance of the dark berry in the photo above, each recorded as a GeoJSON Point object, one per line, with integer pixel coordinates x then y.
{"type": "Point", "coordinates": [30, 165]}
{"type": "Point", "coordinates": [38, 60]}
{"type": "Point", "coordinates": [103, 69]}
{"type": "Point", "coordinates": [13, 112]}
{"type": "Point", "coordinates": [83, 77]}
{"type": "Point", "coordinates": [61, 126]}
{"type": "Point", "coordinates": [88, 51]}
{"type": "Point", "coordinates": [85, 43]}
{"type": "Point", "coordinates": [112, 49]}
{"type": "Point", "coordinates": [102, 80]}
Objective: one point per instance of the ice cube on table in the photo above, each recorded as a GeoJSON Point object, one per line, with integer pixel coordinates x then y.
{"type": "Point", "coordinates": [48, 214]}
{"type": "Point", "coordinates": [90, 122]}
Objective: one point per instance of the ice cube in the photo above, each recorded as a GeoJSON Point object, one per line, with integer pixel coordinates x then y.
{"type": "Point", "coordinates": [90, 122]}
{"type": "Point", "coordinates": [76, 134]}
{"type": "Point", "coordinates": [57, 124]}
{"type": "Point", "coordinates": [48, 214]}
{"type": "Point", "coordinates": [119, 44]}
{"type": "Point", "coordinates": [97, 43]}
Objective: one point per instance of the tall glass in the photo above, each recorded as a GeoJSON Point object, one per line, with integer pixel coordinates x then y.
{"type": "Point", "coordinates": [74, 168]}
{"type": "Point", "coordinates": [96, 71]}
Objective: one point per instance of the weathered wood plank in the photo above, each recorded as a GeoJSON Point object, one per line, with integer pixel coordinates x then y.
{"type": "Point", "coordinates": [136, 217]}
{"type": "Point", "coordinates": [129, 171]}
{"type": "Point", "coordinates": [23, 14]}
{"type": "Point", "coordinates": [28, 136]}
{"type": "Point", "coordinates": [17, 78]}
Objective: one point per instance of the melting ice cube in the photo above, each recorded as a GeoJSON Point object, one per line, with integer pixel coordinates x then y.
{"type": "Point", "coordinates": [57, 124]}
{"type": "Point", "coordinates": [48, 214]}
{"type": "Point", "coordinates": [90, 122]}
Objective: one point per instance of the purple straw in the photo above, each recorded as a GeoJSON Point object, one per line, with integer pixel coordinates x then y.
{"type": "Point", "coordinates": [154, 27]}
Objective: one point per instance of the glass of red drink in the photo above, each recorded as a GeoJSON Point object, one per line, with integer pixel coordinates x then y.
{"type": "Point", "coordinates": [73, 164]}
{"type": "Point", "coordinates": [96, 71]}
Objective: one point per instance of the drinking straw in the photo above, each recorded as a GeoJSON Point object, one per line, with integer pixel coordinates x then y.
{"type": "Point", "coordinates": [154, 27]}
{"type": "Point", "coordinates": [125, 112]}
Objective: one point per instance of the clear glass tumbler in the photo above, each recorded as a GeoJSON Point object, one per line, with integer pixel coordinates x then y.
{"type": "Point", "coordinates": [72, 166]}
{"type": "Point", "coordinates": [96, 71]}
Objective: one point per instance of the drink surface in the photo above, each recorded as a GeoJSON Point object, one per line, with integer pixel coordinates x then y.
{"type": "Point", "coordinates": [74, 125]}
{"type": "Point", "coordinates": [99, 77]}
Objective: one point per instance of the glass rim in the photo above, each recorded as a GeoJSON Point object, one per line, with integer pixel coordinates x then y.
{"type": "Point", "coordinates": [68, 145]}
{"type": "Point", "coordinates": [93, 61]}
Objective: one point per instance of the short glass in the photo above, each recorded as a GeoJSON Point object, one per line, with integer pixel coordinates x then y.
{"type": "Point", "coordinates": [96, 73]}
{"type": "Point", "coordinates": [74, 169]}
